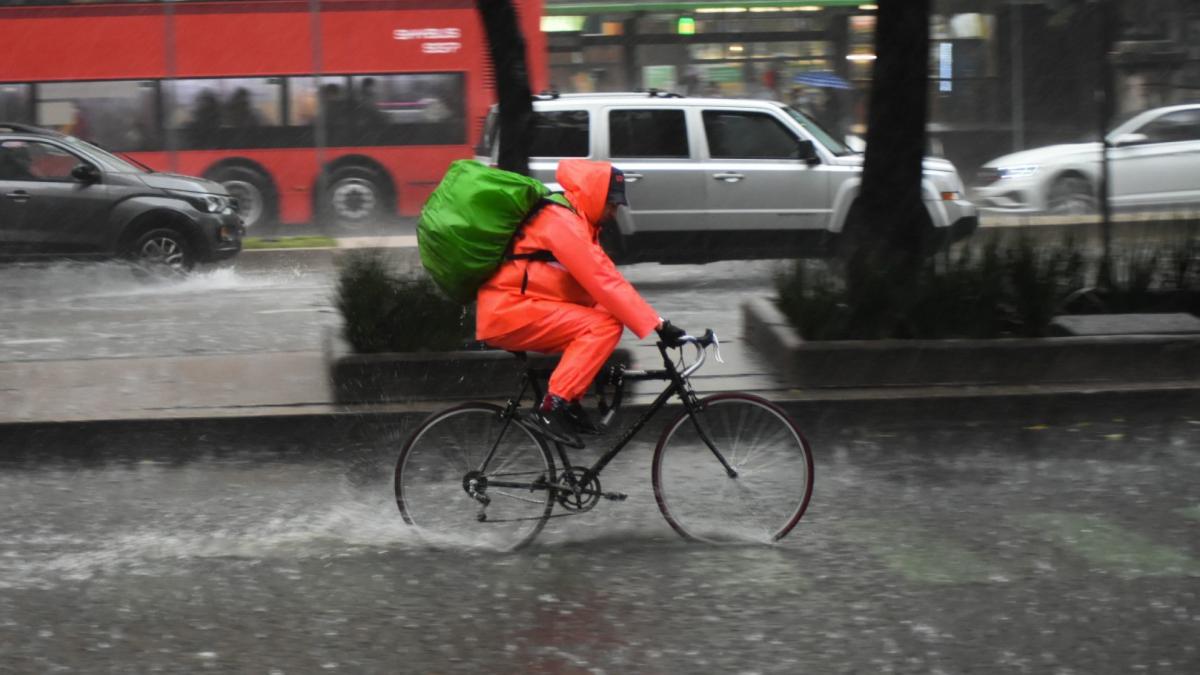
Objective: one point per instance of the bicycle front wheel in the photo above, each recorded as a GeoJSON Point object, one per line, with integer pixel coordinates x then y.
{"type": "Point", "coordinates": [443, 489]}
{"type": "Point", "coordinates": [770, 456]}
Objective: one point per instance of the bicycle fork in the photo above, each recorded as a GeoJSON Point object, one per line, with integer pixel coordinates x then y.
{"type": "Point", "coordinates": [692, 404]}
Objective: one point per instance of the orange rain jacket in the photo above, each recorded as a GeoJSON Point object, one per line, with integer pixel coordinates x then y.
{"type": "Point", "coordinates": [583, 274]}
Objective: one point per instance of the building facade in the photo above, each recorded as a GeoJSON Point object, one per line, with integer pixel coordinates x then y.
{"type": "Point", "coordinates": [1004, 74]}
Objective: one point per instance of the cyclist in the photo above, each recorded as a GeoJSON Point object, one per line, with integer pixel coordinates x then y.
{"type": "Point", "coordinates": [577, 304]}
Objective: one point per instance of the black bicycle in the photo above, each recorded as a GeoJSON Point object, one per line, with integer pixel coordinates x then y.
{"type": "Point", "coordinates": [730, 466]}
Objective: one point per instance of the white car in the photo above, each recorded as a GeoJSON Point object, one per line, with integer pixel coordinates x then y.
{"type": "Point", "coordinates": [712, 179]}
{"type": "Point", "coordinates": [1154, 163]}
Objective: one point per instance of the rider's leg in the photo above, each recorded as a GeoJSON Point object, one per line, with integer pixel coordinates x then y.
{"type": "Point", "coordinates": [585, 336]}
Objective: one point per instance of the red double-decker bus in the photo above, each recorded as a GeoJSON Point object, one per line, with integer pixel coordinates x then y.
{"type": "Point", "coordinates": [338, 111]}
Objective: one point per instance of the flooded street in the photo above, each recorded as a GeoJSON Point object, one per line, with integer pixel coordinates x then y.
{"type": "Point", "coordinates": [935, 548]}
{"type": "Point", "coordinates": [110, 310]}
{"type": "Point", "coordinates": [70, 310]}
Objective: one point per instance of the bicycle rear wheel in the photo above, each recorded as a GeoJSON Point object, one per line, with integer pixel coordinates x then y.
{"type": "Point", "coordinates": [441, 463]}
{"type": "Point", "coordinates": [764, 446]}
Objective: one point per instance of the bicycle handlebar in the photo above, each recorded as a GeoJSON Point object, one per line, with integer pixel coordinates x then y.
{"type": "Point", "coordinates": [701, 344]}
{"type": "Point", "coordinates": [616, 374]}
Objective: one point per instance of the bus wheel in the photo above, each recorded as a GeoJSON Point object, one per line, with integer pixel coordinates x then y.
{"type": "Point", "coordinates": [257, 201]}
{"type": "Point", "coordinates": [355, 199]}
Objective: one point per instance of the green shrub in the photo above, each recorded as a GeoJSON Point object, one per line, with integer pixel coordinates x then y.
{"type": "Point", "coordinates": [985, 291]}
{"type": "Point", "coordinates": [385, 313]}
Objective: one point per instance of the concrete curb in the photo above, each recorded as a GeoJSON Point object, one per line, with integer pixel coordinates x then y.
{"type": "Point", "coordinates": [1037, 361]}
{"type": "Point", "coordinates": [341, 435]}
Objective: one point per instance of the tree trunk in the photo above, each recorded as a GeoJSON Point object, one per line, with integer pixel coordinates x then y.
{"type": "Point", "coordinates": [894, 220]}
{"type": "Point", "coordinates": [888, 229]}
{"type": "Point", "coordinates": [507, 48]}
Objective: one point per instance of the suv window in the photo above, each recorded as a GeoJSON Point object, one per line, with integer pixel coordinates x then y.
{"type": "Point", "coordinates": [34, 160]}
{"type": "Point", "coordinates": [647, 133]}
{"type": "Point", "coordinates": [560, 133]}
{"type": "Point", "coordinates": [747, 135]}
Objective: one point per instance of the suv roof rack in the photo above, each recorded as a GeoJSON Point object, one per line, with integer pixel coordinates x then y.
{"type": "Point", "coordinates": [17, 127]}
{"type": "Point", "coordinates": [659, 93]}
{"type": "Point", "coordinates": [554, 94]}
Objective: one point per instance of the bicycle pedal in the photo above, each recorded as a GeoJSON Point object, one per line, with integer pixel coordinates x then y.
{"type": "Point", "coordinates": [615, 496]}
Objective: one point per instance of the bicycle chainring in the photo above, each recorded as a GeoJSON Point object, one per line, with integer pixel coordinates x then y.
{"type": "Point", "coordinates": [575, 495]}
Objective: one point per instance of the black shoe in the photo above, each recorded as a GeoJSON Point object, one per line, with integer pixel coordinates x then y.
{"type": "Point", "coordinates": [551, 420]}
{"type": "Point", "coordinates": [580, 420]}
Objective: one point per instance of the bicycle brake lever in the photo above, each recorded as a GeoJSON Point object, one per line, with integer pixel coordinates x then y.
{"type": "Point", "coordinates": [717, 348]}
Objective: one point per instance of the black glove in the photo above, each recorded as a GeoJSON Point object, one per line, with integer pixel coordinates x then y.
{"type": "Point", "coordinates": [669, 334]}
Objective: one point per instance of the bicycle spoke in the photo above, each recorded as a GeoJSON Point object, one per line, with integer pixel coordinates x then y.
{"type": "Point", "coordinates": [773, 483]}
{"type": "Point", "coordinates": [779, 434]}
{"type": "Point", "coordinates": [453, 444]}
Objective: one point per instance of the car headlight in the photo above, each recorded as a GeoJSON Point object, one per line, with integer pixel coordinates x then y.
{"type": "Point", "coordinates": [209, 203]}
{"type": "Point", "coordinates": [1019, 171]}
{"type": "Point", "coordinates": [991, 174]}
{"type": "Point", "coordinates": [215, 203]}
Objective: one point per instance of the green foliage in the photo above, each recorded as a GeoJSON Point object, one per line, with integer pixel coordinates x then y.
{"type": "Point", "coordinates": [251, 243]}
{"type": "Point", "coordinates": [385, 313]}
{"type": "Point", "coordinates": [983, 291]}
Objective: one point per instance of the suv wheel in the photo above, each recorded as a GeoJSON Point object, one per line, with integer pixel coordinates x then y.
{"type": "Point", "coordinates": [164, 248]}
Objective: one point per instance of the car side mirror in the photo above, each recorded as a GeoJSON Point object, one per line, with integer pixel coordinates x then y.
{"type": "Point", "coordinates": [85, 173]}
{"type": "Point", "coordinates": [805, 150]}
{"type": "Point", "coordinates": [1130, 139]}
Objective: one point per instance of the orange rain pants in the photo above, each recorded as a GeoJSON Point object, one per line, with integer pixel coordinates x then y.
{"type": "Point", "coordinates": [585, 336]}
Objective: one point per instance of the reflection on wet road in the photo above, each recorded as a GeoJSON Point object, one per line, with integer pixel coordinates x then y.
{"type": "Point", "coordinates": [108, 310]}
{"type": "Point", "coordinates": [966, 549]}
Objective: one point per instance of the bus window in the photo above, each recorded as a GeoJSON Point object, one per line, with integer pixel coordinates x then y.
{"type": "Point", "coordinates": [307, 95]}
{"type": "Point", "coordinates": [117, 114]}
{"type": "Point", "coordinates": [242, 112]}
{"type": "Point", "coordinates": [14, 103]}
{"type": "Point", "coordinates": [408, 109]}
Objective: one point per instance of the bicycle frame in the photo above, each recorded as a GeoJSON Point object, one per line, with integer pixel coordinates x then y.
{"type": "Point", "coordinates": [679, 385]}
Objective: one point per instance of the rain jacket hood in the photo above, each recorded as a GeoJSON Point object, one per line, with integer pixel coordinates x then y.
{"type": "Point", "coordinates": [586, 185]}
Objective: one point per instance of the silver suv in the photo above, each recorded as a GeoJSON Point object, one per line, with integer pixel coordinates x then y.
{"type": "Point", "coordinates": [712, 178]}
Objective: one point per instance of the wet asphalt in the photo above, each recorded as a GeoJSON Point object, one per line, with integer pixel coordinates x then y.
{"type": "Point", "coordinates": [949, 539]}
{"type": "Point", "coordinates": [944, 546]}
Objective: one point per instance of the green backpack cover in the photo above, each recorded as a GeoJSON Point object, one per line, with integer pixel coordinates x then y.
{"type": "Point", "coordinates": [468, 223]}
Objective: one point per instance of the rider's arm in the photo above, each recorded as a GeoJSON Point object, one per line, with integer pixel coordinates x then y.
{"type": "Point", "coordinates": [594, 270]}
